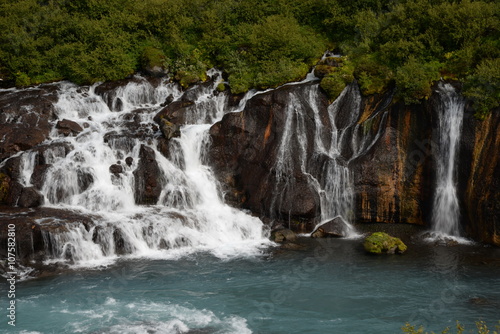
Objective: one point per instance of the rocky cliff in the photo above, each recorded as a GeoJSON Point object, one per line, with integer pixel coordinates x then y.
{"type": "Point", "coordinates": [290, 156]}
{"type": "Point", "coordinates": [388, 147]}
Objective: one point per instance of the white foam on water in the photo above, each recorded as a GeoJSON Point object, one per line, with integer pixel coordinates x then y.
{"type": "Point", "coordinates": [149, 317]}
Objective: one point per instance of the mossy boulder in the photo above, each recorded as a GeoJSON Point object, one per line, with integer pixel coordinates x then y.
{"type": "Point", "coordinates": [323, 70]}
{"type": "Point", "coordinates": [380, 242]}
{"type": "Point", "coordinates": [282, 235]}
{"type": "Point", "coordinates": [189, 78]}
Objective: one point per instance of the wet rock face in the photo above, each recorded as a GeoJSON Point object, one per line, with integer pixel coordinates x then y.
{"type": "Point", "coordinates": [244, 153]}
{"type": "Point", "coordinates": [31, 236]}
{"type": "Point", "coordinates": [30, 197]}
{"type": "Point", "coordinates": [394, 180]}
{"type": "Point", "coordinates": [67, 127]}
{"type": "Point", "coordinates": [25, 117]}
{"type": "Point", "coordinates": [175, 112]}
{"type": "Point", "coordinates": [335, 228]}
{"type": "Point", "coordinates": [148, 177]}
{"type": "Point", "coordinates": [479, 176]}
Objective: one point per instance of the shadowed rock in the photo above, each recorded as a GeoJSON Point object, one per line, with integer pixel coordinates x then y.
{"type": "Point", "coordinates": [336, 228]}
{"type": "Point", "coordinates": [67, 127]}
{"type": "Point", "coordinates": [148, 183]}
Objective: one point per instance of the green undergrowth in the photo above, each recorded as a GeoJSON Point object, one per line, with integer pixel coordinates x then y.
{"type": "Point", "coordinates": [259, 44]}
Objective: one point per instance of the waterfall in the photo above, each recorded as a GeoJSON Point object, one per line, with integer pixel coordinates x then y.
{"type": "Point", "coordinates": [331, 180]}
{"type": "Point", "coordinates": [446, 211]}
{"type": "Point", "coordinates": [95, 173]}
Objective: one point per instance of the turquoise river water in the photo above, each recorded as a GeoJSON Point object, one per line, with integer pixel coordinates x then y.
{"type": "Point", "coordinates": [328, 286]}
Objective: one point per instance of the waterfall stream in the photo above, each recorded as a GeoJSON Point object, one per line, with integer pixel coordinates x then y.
{"type": "Point", "coordinates": [333, 181]}
{"type": "Point", "coordinates": [446, 211]}
{"type": "Point", "coordinates": [189, 214]}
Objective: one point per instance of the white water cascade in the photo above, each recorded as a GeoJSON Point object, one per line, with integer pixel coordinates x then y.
{"type": "Point", "coordinates": [189, 215]}
{"type": "Point", "coordinates": [334, 183]}
{"type": "Point", "coordinates": [446, 211]}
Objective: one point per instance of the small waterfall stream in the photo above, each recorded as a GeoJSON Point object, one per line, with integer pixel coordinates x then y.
{"type": "Point", "coordinates": [325, 149]}
{"type": "Point", "coordinates": [446, 211]}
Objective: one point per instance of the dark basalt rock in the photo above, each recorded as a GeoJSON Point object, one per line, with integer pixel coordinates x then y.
{"type": "Point", "coordinates": [33, 239]}
{"type": "Point", "coordinates": [244, 153]}
{"type": "Point", "coordinates": [25, 117]}
{"type": "Point", "coordinates": [116, 169]}
{"type": "Point", "coordinates": [283, 235]}
{"type": "Point", "coordinates": [129, 161]}
{"type": "Point", "coordinates": [175, 112]}
{"type": "Point", "coordinates": [336, 228]}
{"type": "Point", "coordinates": [168, 100]}
{"type": "Point", "coordinates": [119, 241]}
{"type": "Point", "coordinates": [38, 177]}
{"type": "Point", "coordinates": [169, 129]}
{"type": "Point", "coordinates": [148, 183]}
{"type": "Point", "coordinates": [67, 127]}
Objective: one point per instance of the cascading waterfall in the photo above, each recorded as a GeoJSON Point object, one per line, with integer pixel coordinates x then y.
{"type": "Point", "coordinates": [334, 185]}
{"type": "Point", "coordinates": [189, 215]}
{"type": "Point", "coordinates": [446, 211]}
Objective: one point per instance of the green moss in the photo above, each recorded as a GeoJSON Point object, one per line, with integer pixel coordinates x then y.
{"type": "Point", "coordinates": [335, 81]}
{"type": "Point", "coordinates": [153, 57]}
{"type": "Point", "coordinates": [380, 242]}
{"type": "Point", "coordinates": [221, 87]}
{"type": "Point", "coordinates": [22, 79]}
{"type": "Point", "coordinates": [323, 70]}
{"type": "Point", "coordinates": [187, 79]}
{"type": "Point", "coordinates": [333, 85]}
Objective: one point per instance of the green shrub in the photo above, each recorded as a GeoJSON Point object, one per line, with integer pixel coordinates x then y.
{"type": "Point", "coordinates": [153, 57]}
{"type": "Point", "coordinates": [373, 77]}
{"type": "Point", "coordinates": [414, 80]}
{"type": "Point", "coordinates": [483, 86]}
{"type": "Point", "coordinates": [337, 79]}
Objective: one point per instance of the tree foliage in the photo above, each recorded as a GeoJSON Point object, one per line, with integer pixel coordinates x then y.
{"type": "Point", "coordinates": [259, 44]}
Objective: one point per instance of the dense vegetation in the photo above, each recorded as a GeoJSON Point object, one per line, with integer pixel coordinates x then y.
{"type": "Point", "coordinates": [258, 43]}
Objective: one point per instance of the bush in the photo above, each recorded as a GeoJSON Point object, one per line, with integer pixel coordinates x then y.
{"type": "Point", "coordinates": [414, 80]}
{"type": "Point", "coordinates": [483, 86]}
{"type": "Point", "coordinates": [337, 79]}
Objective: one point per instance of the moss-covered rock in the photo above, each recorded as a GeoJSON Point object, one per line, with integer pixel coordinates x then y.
{"type": "Point", "coordinates": [380, 242]}
{"type": "Point", "coordinates": [323, 70]}
{"type": "Point", "coordinates": [333, 85]}
{"type": "Point", "coordinates": [221, 87]}
{"type": "Point", "coordinates": [282, 235]}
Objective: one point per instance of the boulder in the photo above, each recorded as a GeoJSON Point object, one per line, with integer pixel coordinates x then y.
{"type": "Point", "coordinates": [169, 129]}
{"type": "Point", "coordinates": [67, 127]}
{"type": "Point", "coordinates": [129, 161]}
{"type": "Point", "coordinates": [30, 198]}
{"type": "Point", "coordinates": [25, 117]}
{"type": "Point", "coordinates": [148, 185]}
{"type": "Point", "coordinates": [283, 235]}
{"type": "Point", "coordinates": [38, 177]}
{"type": "Point", "coordinates": [175, 112]}
{"type": "Point", "coordinates": [383, 243]}
{"type": "Point", "coordinates": [116, 169]}
{"type": "Point", "coordinates": [334, 228]}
